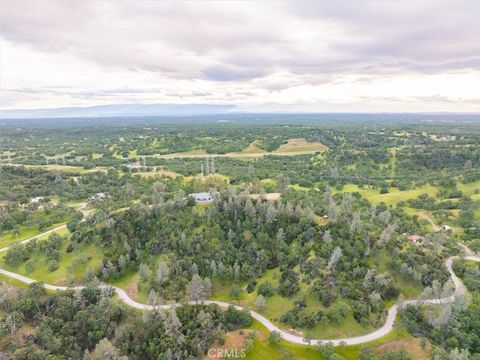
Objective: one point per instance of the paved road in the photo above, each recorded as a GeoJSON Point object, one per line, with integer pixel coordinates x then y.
{"type": "Point", "coordinates": [296, 339]}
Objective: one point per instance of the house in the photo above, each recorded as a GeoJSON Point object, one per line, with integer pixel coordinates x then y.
{"type": "Point", "coordinates": [37, 200]}
{"type": "Point", "coordinates": [135, 166]}
{"type": "Point", "coordinates": [414, 239]}
{"type": "Point", "coordinates": [446, 228]}
{"type": "Point", "coordinates": [97, 197]}
{"type": "Point", "coordinates": [202, 197]}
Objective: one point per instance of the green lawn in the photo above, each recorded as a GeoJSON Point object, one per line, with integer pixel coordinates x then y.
{"type": "Point", "coordinates": [129, 283]}
{"type": "Point", "coordinates": [469, 188]}
{"type": "Point", "coordinates": [8, 279]}
{"type": "Point", "coordinates": [26, 232]}
{"type": "Point", "coordinates": [393, 197]}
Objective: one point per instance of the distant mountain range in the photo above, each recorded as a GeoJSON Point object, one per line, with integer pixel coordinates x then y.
{"type": "Point", "coordinates": [125, 110]}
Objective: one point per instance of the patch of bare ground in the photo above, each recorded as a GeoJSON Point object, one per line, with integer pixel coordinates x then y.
{"type": "Point", "coordinates": [412, 347]}
{"type": "Point", "coordinates": [132, 290]}
{"type": "Point", "coordinates": [294, 332]}
{"type": "Point", "coordinates": [268, 196]}
{"type": "Point", "coordinates": [233, 340]}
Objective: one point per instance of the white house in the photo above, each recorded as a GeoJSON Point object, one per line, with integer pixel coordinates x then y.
{"type": "Point", "coordinates": [97, 197]}
{"type": "Point", "coordinates": [446, 228]}
{"type": "Point", "coordinates": [36, 200]}
{"type": "Point", "coordinates": [202, 197]}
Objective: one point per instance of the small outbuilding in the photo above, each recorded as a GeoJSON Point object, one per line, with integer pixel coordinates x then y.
{"type": "Point", "coordinates": [414, 239]}
{"type": "Point", "coordinates": [97, 197]}
{"type": "Point", "coordinates": [446, 228]}
{"type": "Point", "coordinates": [202, 197]}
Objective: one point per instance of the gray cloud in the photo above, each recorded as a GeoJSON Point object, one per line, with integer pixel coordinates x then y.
{"type": "Point", "coordinates": [240, 50]}
{"type": "Point", "coordinates": [218, 42]}
{"type": "Point", "coordinates": [229, 72]}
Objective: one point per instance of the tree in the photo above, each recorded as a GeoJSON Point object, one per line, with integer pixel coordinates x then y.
{"type": "Point", "coordinates": [260, 303]}
{"type": "Point", "coordinates": [235, 291]}
{"type": "Point", "coordinates": [347, 203]}
{"type": "Point", "coordinates": [163, 272]}
{"type": "Point", "coordinates": [275, 337]}
{"type": "Point", "coordinates": [282, 182]}
{"type": "Point", "coordinates": [336, 255]}
{"type": "Point", "coordinates": [158, 192]}
{"type": "Point", "coordinates": [456, 354]}
{"type": "Point", "coordinates": [196, 288]}
{"type": "Point", "coordinates": [265, 289]}
{"type": "Point", "coordinates": [385, 217]}
{"type": "Point", "coordinates": [355, 223]}
{"type": "Point", "coordinates": [212, 166]}
{"type": "Point", "coordinates": [106, 351]}
{"type": "Point", "coordinates": [386, 234]}
{"type": "Point", "coordinates": [213, 268]}
{"type": "Point", "coordinates": [153, 299]}
{"type": "Point", "coordinates": [271, 214]}
{"type": "Point", "coordinates": [128, 192]}
{"type": "Point", "coordinates": [207, 167]}
{"type": "Point", "coordinates": [207, 287]}
{"type": "Point", "coordinates": [332, 211]}
{"type": "Point", "coordinates": [144, 272]}
{"type": "Point", "coordinates": [289, 283]}
{"type": "Point", "coordinates": [327, 237]}
{"type": "Point", "coordinates": [173, 326]}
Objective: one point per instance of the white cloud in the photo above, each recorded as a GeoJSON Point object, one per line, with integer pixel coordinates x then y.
{"type": "Point", "coordinates": [332, 56]}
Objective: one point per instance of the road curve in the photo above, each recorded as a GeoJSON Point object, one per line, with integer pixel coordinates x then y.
{"type": "Point", "coordinates": [295, 339]}
{"type": "Point", "coordinates": [82, 208]}
{"type": "Point", "coordinates": [35, 237]}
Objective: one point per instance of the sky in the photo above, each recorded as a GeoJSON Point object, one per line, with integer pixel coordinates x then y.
{"type": "Point", "coordinates": [352, 56]}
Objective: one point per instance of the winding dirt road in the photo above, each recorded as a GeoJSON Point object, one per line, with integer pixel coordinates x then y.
{"type": "Point", "coordinates": [295, 339]}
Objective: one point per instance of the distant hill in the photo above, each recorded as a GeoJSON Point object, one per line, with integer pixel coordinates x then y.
{"type": "Point", "coordinates": [126, 110]}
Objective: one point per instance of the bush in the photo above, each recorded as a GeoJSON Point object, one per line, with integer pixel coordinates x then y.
{"type": "Point", "coordinates": [236, 319]}
{"type": "Point", "coordinates": [250, 287]}
{"type": "Point", "coordinates": [52, 265]}
{"type": "Point", "coordinates": [274, 337]}
{"type": "Point", "coordinates": [265, 289]}
{"type": "Point", "coordinates": [289, 284]}
{"type": "Point", "coordinates": [30, 266]}
{"type": "Point", "coordinates": [235, 292]}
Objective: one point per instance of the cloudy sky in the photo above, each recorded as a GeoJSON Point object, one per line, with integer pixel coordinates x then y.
{"type": "Point", "coordinates": [297, 56]}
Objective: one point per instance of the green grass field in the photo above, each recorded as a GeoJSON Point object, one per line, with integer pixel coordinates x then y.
{"type": "Point", "coordinates": [62, 168]}
{"type": "Point", "coordinates": [253, 148]}
{"type": "Point", "coordinates": [301, 145]}
{"type": "Point", "coordinates": [8, 237]}
{"type": "Point", "coordinates": [393, 197]}
{"type": "Point", "coordinates": [398, 339]}
{"type": "Point", "coordinates": [71, 267]}
{"type": "Point", "coordinates": [472, 188]}
{"type": "Point", "coordinates": [130, 283]}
